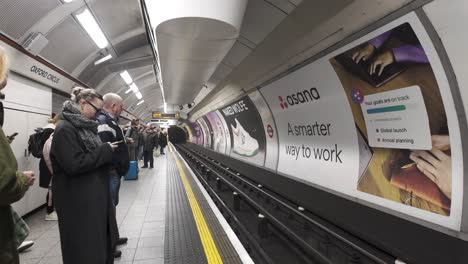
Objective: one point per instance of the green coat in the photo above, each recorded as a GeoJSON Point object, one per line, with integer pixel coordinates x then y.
{"type": "Point", "coordinates": [151, 140]}
{"type": "Point", "coordinates": [12, 188]}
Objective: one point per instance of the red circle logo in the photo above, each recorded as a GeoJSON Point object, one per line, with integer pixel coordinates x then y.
{"type": "Point", "coordinates": [270, 131]}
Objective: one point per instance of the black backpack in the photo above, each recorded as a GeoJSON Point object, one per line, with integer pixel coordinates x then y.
{"type": "Point", "coordinates": [34, 143]}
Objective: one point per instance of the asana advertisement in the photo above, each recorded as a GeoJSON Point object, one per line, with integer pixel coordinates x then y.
{"type": "Point", "coordinates": [375, 122]}
{"type": "Point", "coordinates": [246, 131]}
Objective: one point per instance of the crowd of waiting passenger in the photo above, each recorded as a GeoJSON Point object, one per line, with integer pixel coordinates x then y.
{"type": "Point", "coordinates": [84, 153]}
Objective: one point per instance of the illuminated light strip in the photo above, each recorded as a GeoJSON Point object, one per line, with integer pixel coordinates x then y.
{"type": "Point", "coordinates": [89, 23]}
{"type": "Point", "coordinates": [126, 77]}
{"type": "Point", "coordinates": [103, 59]}
{"type": "Point", "coordinates": [209, 246]}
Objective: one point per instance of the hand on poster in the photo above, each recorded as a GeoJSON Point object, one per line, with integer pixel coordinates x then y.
{"type": "Point", "coordinates": [382, 60]}
{"type": "Point", "coordinates": [435, 164]}
{"type": "Point", "coordinates": [407, 52]}
{"type": "Point", "coordinates": [364, 53]}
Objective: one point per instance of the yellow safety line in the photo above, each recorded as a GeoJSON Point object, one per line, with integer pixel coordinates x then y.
{"type": "Point", "coordinates": [209, 246]}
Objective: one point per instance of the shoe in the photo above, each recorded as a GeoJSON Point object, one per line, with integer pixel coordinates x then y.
{"type": "Point", "coordinates": [51, 217]}
{"type": "Point", "coordinates": [244, 144]}
{"type": "Point", "coordinates": [144, 167]}
{"type": "Point", "coordinates": [25, 245]}
{"type": "Point", "coordinates": [117, 253]}
{"type": "Point", "coordinates": [151, 167]}
{"type": "Point", "coordinates": [121, 241]}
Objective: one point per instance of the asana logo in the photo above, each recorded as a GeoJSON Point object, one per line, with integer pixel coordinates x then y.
{"type": "Point", "coordinates": [301, 97]}
{"type": "Point", "coordinates": [283, 103]}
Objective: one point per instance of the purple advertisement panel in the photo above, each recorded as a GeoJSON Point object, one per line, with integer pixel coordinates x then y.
{"type": "Point", "coordinates": [198, 134]}
{"type": "Point", "coordinates": [219, 135]}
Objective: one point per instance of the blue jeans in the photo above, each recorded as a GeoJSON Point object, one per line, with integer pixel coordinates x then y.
{"type": "Point", "coordinates": [114, 184]}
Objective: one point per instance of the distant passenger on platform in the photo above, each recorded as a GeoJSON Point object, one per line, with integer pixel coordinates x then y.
{"type": "Point", "coordinates": [110, 131]}
{"type": "Point", "coordinates": [81, 182]}
{"type": "Point", "coordinates": [150, 137]}
{"type": "Point", "coordinates": [13, 186]}
{"type": "Point", "coordinates": [163, 140]}
{"type": "Point", "coordinates": [45, 175]}
{"type": "Point", "coordinates": [141, 147]}
{"type": "Point", "coordinates": [133, 132]}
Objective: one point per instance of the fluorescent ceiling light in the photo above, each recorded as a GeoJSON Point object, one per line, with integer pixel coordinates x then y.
{"type": "Point", "coordinates": [134, 88]}
{"type": "Point", "coordinates": [165, 107]}
{"type": "Point", "coordinates": [67, 1]}
{"type": "Point", "coordinates": [138, 95]}
{"type": "Point", "coordinates": [126, 77]}
{"type": "Point", "coordinates": [103, 59]}
{"type": "Point", "coordinates": [129, 90]}
{"type": "Point", "coordinates": [88, 22]}
{"type": "Point", "coordinates": [139, 103]}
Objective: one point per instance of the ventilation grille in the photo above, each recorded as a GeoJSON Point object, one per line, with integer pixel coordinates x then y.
{"type": "Point", "coordinates": [68, 45]}
{"type": "Point", "coordinates": [17, 16]}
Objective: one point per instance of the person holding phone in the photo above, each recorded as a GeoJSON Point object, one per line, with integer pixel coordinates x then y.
{"type": "Point", "coordinates": [110, 131]}
{"type": "Point", "coordinates": [13, 185]}
{"type": "Point", "coordinates": [80, 185]}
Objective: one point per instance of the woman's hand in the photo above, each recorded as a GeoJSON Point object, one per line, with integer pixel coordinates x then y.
{"type": "Point", "coordinates": [437, 166]}
{"type": "Point", "coordinates": [381, 61]}
{"type": "Point", "coordinates": [364, 53]}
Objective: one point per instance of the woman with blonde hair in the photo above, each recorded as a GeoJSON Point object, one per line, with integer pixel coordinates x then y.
{"type": "Point", "coordinates": [13, 185]}
{"type": "Point", "coordinates": [88, 229]}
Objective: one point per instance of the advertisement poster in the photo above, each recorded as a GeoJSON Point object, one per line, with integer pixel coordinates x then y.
{"type": "Point", "coordinates": [189, 133]}
{"type": "Point", "coordinates": [198, 134]}
{"type": "Point", "coordinates": [395, 100]}
{"type": "Point", "coordinates": [375, 122]}
{"type": "Point", "coordinates": [207, 138]}
{"type": "Point", "coordinates": [269, 127]}
{"type": "Point", "coordinates": [219, 136]}
{"type": "Point", "coordinates": [246, 131]}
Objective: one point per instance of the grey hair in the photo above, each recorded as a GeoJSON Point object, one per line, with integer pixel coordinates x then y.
{"type": "Point", "coordinates": [110, 99]}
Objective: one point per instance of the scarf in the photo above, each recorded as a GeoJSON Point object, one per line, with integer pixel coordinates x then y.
{"type": "Point", "coordinates": [87, 128]}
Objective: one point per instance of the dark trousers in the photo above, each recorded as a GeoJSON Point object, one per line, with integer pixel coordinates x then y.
{"type": "Point", "coordinates": [162, 149]}
{"type": "Point", "coordinates": [148, 155]}
{"type": "Point", "coordinates": [50, 202]}
{"type": "Point", "coordinates": [114, 185]}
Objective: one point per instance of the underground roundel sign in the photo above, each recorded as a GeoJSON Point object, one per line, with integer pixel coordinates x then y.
{"type": "Point", "coordinates": [270, 131]}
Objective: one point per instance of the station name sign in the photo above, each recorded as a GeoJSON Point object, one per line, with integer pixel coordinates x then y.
{"type": "Point", "coordinates": [165, 116]}
{"type": "Point", "coordinates": [44, 74]}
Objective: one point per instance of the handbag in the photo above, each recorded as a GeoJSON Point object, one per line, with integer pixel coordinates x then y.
{"type": "Point", "coordinates": [156, 153]}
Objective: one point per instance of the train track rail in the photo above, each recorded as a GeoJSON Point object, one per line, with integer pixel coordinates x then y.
{"type": "Point", "coordinates": [272, 228]}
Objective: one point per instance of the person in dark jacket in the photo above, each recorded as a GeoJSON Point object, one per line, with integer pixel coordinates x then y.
{"type": "Point", "coordinates": [163, 140]}
{"type": "Point", "coordinates": [81, 182]}
{"type": "Point", "coordinates": [110, 131]}
{"type": "Point", "coordinates": [44, 174]}
{"type": "Point", "coordinates": [13, 186]}
{"type": "Point", "coordinates": [150, 139]}
{"type": "Point", "coordinates": [134, 133]}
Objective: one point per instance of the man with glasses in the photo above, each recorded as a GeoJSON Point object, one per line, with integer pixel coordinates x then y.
{"type": "Point", "coordinates": [110, 131]}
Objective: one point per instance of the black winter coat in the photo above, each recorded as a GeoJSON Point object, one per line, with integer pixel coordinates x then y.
{"type": "Point", "coordinates": [162, 140]}
{"type": "Point", "coordinates": [87, 224]}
